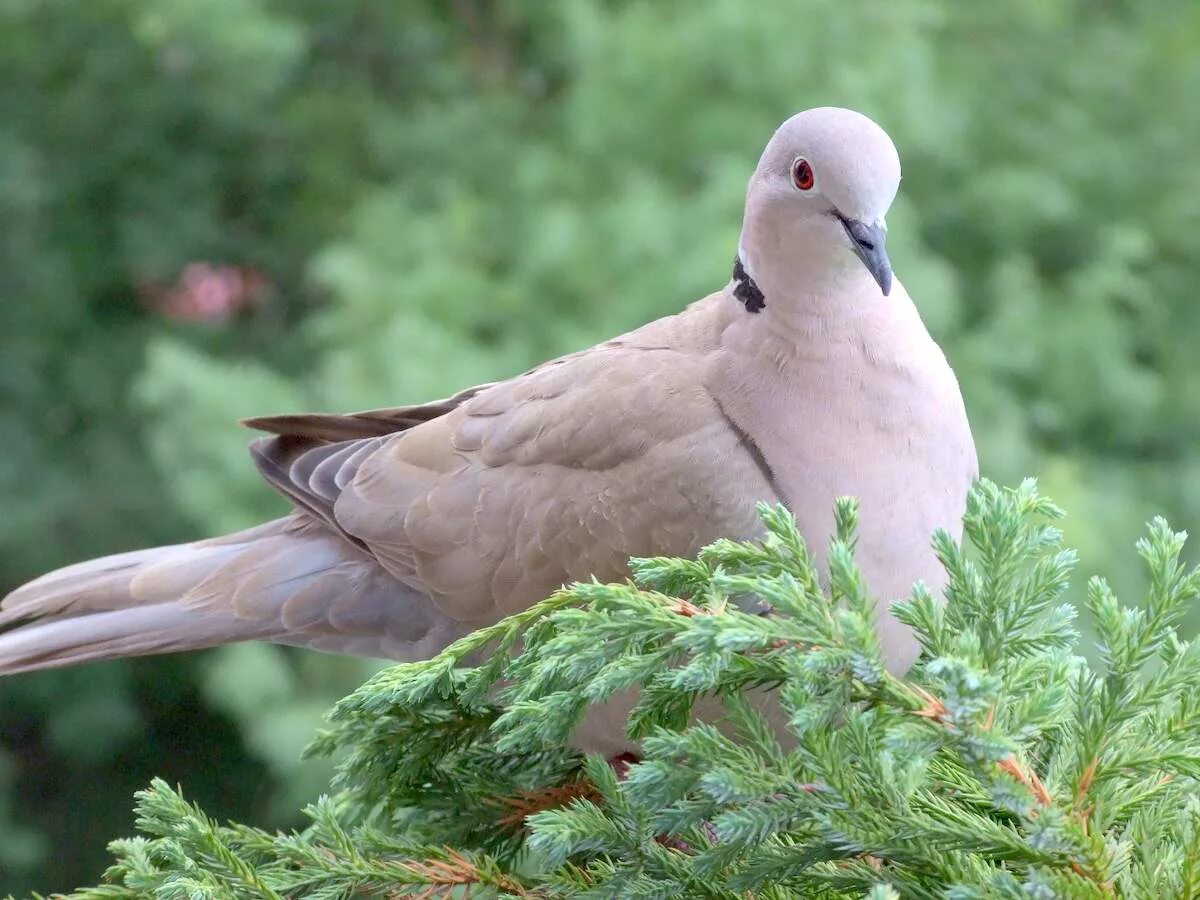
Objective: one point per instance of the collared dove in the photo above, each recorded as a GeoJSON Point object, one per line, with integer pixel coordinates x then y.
{"type": "Point", "coordinates": [807, 377]}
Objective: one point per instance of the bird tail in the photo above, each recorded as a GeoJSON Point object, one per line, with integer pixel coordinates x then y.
{"type": "Point", "coordinates": [290, 581]}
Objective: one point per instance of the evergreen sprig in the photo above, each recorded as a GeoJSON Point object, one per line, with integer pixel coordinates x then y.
{"type": "Point", "coordinates": [778, 756]}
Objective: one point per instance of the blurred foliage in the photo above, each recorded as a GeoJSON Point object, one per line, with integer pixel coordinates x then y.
{"type": "Point", "coordinates": [442, 193]}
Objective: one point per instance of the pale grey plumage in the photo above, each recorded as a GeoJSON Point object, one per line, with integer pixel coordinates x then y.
{"type": "Point", "coordinates": [415, 524]}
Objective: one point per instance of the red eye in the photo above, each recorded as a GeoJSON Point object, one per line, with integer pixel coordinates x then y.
{"type": "Point", "coordinates": [802, 175]}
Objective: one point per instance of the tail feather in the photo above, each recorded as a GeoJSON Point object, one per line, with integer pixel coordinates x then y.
{"type": "Point", "coordinates": [291, 581]}
{"type": "Point", "coordinates": [140, 631]}
{"type": "Point", "coordinates": [124, 579]}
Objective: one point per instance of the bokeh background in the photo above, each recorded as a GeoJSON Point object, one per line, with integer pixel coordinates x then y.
{"type": "Point", "coordinates": [213, 208]}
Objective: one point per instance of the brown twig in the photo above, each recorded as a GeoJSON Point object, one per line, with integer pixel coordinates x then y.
{"type": "Point", "coordinates": [990, 719]}
{"type": "Point", "coordinates": [454, 871]}
{"type": "Point", "coordinates": [527, 803]}
{"type": "Point", "coordinates": [1027, 777]}
{"type": "Point", "coordinates": [1085, 781]}
{"type": "Point", "coordinates": [687, 608]}
{"type": "Point", "coordinates": [933, 708]}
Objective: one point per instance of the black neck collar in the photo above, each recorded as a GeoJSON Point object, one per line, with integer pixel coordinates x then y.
{"type": "Point", "coordinates": [744, 288]}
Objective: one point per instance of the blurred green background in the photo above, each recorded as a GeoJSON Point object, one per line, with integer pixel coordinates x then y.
{"type": "Point", "coordinates": [213, 208]}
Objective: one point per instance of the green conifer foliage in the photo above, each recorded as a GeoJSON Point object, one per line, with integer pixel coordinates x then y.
{"type": "Point", "coordinates": [1002, 765]}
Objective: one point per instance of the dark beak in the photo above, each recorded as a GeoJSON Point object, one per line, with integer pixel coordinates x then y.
{"type": "Point", "coordinates": [867, 241]}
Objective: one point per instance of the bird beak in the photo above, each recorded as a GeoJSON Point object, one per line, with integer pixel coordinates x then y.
{"type": "Point", "coordinates": [867, 242]}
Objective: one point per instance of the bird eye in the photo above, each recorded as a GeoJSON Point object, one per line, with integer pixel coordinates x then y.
{"type": "Point", "coordinates": [802, 175]}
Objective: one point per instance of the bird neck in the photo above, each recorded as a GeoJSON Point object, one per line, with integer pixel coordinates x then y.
{"type": "Point", "coordinates": [797, 296]}
{"type": "Point", "coordinates": [745, 289]}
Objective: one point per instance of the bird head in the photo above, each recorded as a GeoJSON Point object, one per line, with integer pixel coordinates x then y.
{"type": "Point", "coordinates": [816, 203]}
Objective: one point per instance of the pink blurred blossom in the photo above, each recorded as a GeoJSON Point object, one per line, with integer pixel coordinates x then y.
{"type": "Point", "coordinates": [208, 293]}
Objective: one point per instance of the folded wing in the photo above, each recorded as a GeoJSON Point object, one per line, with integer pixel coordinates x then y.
{"type": "Point", "coordinates": [415, 524]}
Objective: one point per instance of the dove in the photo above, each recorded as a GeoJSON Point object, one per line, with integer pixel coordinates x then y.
{"type": "Point", "coordinates": [809, 376]}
